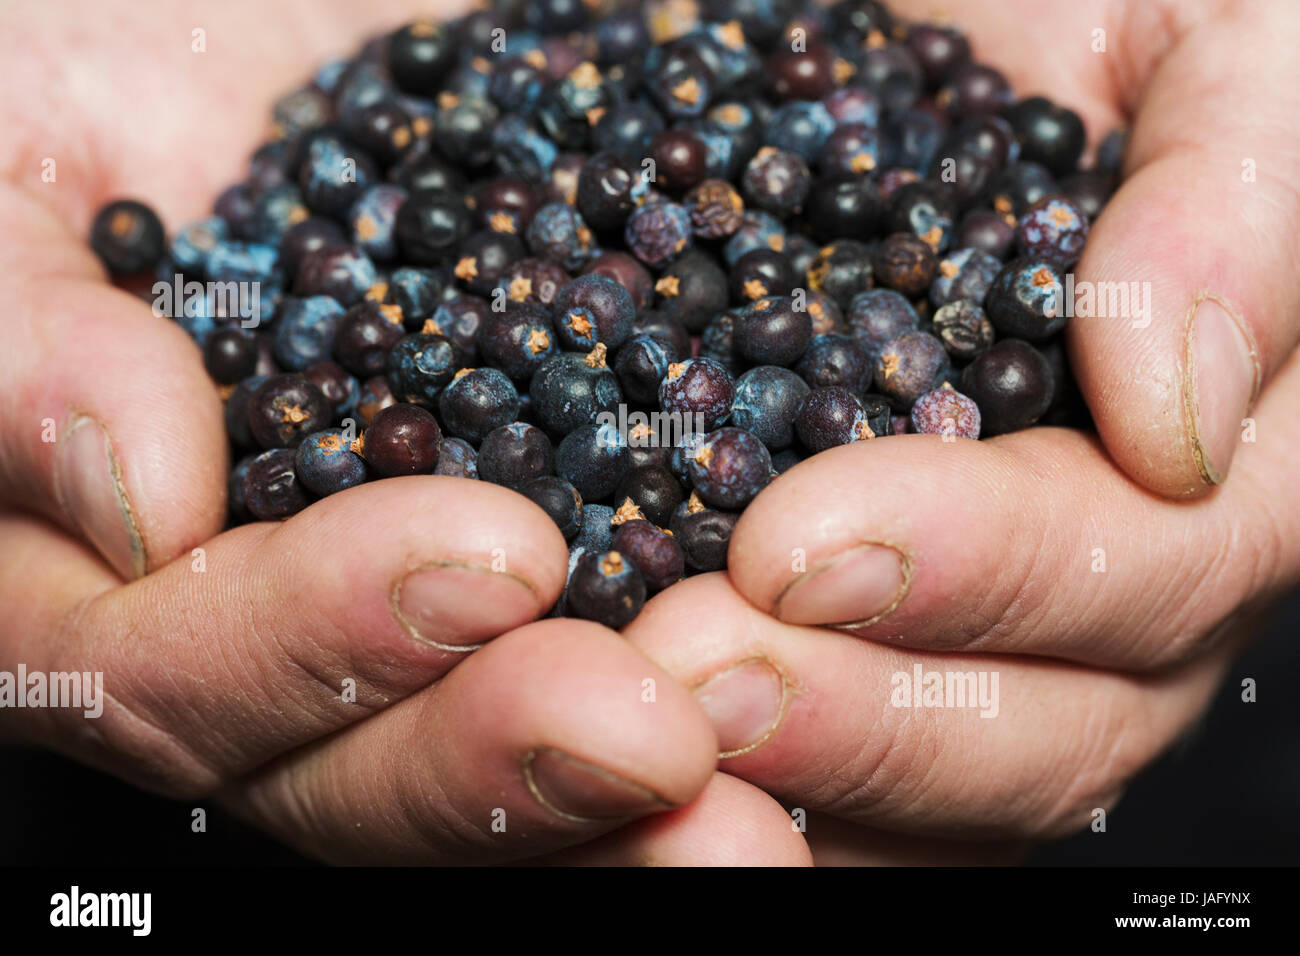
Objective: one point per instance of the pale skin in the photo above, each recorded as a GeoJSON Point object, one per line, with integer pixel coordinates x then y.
{"type": "Point", "coordinates": [225, 684]}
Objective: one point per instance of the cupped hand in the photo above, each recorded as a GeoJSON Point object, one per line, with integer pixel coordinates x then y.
{"type": "Point", "coordinates": [1106, 580]}
{"type": "Point", "coordinates": [362, 680]}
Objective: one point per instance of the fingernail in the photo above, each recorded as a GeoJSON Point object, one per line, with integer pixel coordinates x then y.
{"type": "Point", "coordinates": [1222, 381]}
{"type": "Point", "coordinates": [457, 606]}
{"type": "Point", "coordinates": [88, 482]}
{"type": "Point", "coordinates": [745, 704]}
{"type": "Point", "coordinates": [858, 586]}
{"type": "Point", "coordinates": [580, 791]}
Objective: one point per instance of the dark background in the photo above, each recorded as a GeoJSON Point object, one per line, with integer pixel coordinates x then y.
{"type": "Point", "coordinates": [1227, 795]}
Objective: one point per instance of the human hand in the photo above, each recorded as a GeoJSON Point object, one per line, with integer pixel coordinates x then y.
{"type": "Point", "coordinates": [224, 669]}
{"type": "Point", "coordinates": [1033, 553]}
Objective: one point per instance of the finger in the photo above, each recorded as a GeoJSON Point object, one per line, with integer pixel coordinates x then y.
{"type": "Point", "coordinates": [274, 635]}
{"type": "Point", "coordinates": [109, 424]}
{"type": "Point", "coordinates": [1030, 543]}
{"type": "Point", "coordinates": [1202, 235]}
{"type": "Point", "coordinates": [732, 823]}
{"type": "Point", "coordinates": [542, 740]}
{"type": "Point", "coordinates": [819, 720]}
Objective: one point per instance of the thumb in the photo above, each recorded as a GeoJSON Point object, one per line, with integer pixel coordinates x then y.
{"type": "Point", "coordinates": [1203, 232]}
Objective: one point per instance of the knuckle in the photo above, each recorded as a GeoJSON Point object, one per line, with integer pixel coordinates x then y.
{"type": "Point", "coordinates": [125, 739]}
{"type": "Point", "coordinates": [1241, 566]}
{"type": "Point", "coordinates": [1108, 750]}
{"type": "Point", "coordinates": [889, 770]}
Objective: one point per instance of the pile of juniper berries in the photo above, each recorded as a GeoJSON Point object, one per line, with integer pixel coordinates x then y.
{"type": "Point", "coordinates": [633, 264]}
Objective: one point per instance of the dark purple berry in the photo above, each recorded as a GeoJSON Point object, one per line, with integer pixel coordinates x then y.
{"type": "Point", "coordinates": [760, 273]}
{"type": "Point", "coordinates": [514, 454]}
{"type": "Point", "coordinates": [402, 440]}
{"type": "Point", "coordinates": [879, 316]}
{"type": "Point", "coordinates": [658, 232]}
{"type": "Point", "coordinates": [946, 412]}
{"type": "Point", "coordinates": [803, 74]}
{"type": "Point", "coordinates": [343, 273]}
{"type": "Point", "coordinates": [768, 399]}
{"type": "Point", "coordinates": [326, 463]}
{"type": "Point", "coordinates": [128, 237]}
{"type": "Point", "coordinates": [852, 150]}
{"type": "Point", "coordinates": [715, 208]}
{"type": "Point", "coordinates": [594, 458]}
{"type": "Point", "coordinates": [844, 209]}
{"type": "Point", "coordinates": [904, 263]}
{"type": "Point", "coordinates": [531, 282]}
{"type": "Point", "coordinates": [680, 160]}
{"type": "Point", "coordinates": [1021, 185]}
{"type": "Point", "coordinates": [333, 175]}
{"type": "Point", "coordinates": [1054, 229]}
{"type": "Point", "coordinates": [833, 359]}
{"type": "Point", "coordinates": [964, 274]}
{"type": "Point", "coordinates": [421, 54]}
{"type": "Point", "coordinates": [841, 270]}
{"type": "Point", "coordinates": [1012, 383]}
{"type": "Point", "coordinates": [992, 233]}
{"type": "Point", "coordinates": [376, 395]}
{"type": "Point", "coordinates": [924, 210]}
{"type": "Point", "coordinates": [654, 552]}
{"type": "Point", "coordinates": [963, 328]}
{"type": "Point", "coordinates": [285, 409]}
{"type": "Point", "coordinates": [975, 89]}
{"type": "Point", "coordinates": [597, 532]}
{"type": "Point", "coordinates": [484, 258]}
{"type": "Point", "coordinates": [627, 272]}
{"type": "Point", "coordinates": [605, 588]}
{"type": "Point", "coordinates": [1048, 134]}
{"type": "Point", "coordinates": [704, 533]}
{"type": "Point", "coordinates": [939, 50]}
{"type": "Point", "coordinates": [909, 366]}
{"type": "Point", "coordinates": [591, 310]}
{"type": "Point", "coordinates": [830, 417]}
{"type": "Point", "coordinates": [692, 290]}
{"type": "Point", "coordinates": [270, 488]}
{"type": "Point", "coordinates": [573, 389]}
{"type": "Point", "coordinates": [729, 468]}
{"type": "Point", "coordinates": [653, 489]}
{"type": "Point", "coordinates": [607, 188]}
{"type": "Point", "coordinates": [340, 389]}
{"type": "Point", "coordinates": [230, 355]}
{"type": "Point", "coordinates": [458, 459]}
{"type": "Point", "coordinates": [417, 292]}
{"type": "Point", "coordinates": [431, 226]}
{"type": "Point", "coordinates": [772, 331]}
{"type": "Point", "coordinates": [1027, 300]}
{"type": "Point", "coordinates": [700, 387]}
{"type": "Point", "coordinates": [776, 181]}
{"type": "Point", "coordinates": [558, 234]}
{"type": "Point", "coordinates": [365, 335]}
{"type": "Point", "coordinates": [559, 499]}
{"type": "Point", "coordinates": [304, 331]}
{"type": "Point", "coordinates": [506, 204]}
{"type": "Point", "coordinates": [641, 365]}
{"type": "Point", "coordinates": [476, 402]}
{"type": "Point", "coordinates": [518, 341]}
